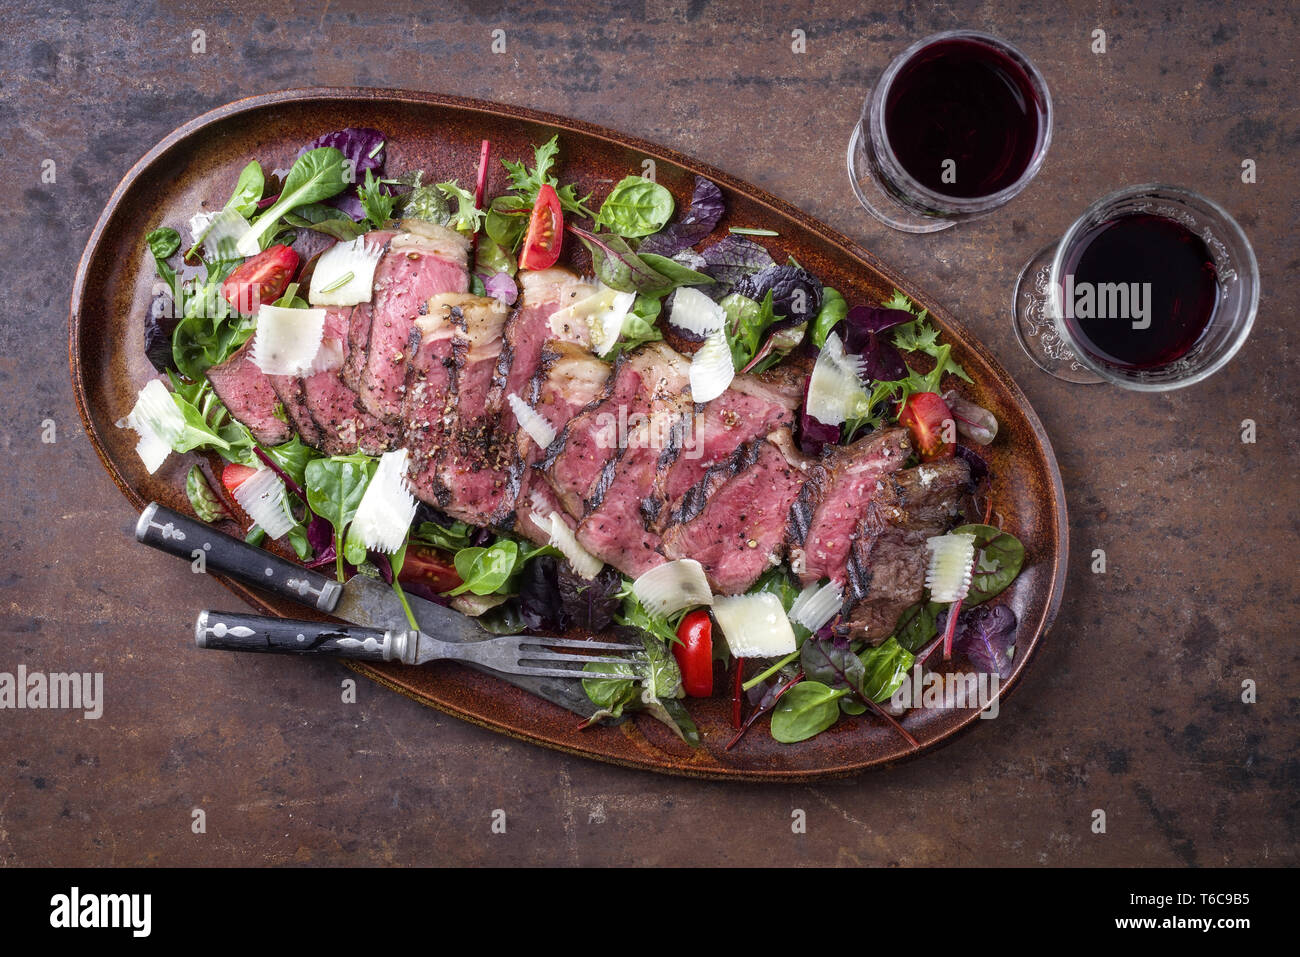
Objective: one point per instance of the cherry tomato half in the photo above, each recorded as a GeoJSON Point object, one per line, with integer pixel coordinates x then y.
{"type": "Point", "coordinates": [260, 280]}
{"type": "Point", "coordinates": [694, 653]}
{"type": "Point", "coordinates": [928, 418]}
{"type": "Point", "coordinates": [234, 475]}
{"type": "Point", "coordinates": [545, 233]}
{"type": "Point", "coordinates": [428, 566]}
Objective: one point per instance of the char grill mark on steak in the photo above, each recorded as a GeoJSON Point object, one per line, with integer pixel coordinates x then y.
{"type": "Point", "coordinates": [841, 484]}
{"type": "Point", "coordinates": [612, 527]}
{"type": "Point", "coordinates": [294, 400]}
{"type": "Point", "coordinates": [429, 402]}
{"type": "Point", "coordinates": [574, 461]}
{"type": "Point", "coordinates": [888, 556]}
{"type": "Point", "coordinates": [247, 392]}
{"type": "Point", "coordinates": [477, 475]}
{"type": "Point", "coordinates": [420, 263]}
{"type": "Point", "coordinates": [733, 522]}
{"type": "Point", "coordinates": [752, 407]}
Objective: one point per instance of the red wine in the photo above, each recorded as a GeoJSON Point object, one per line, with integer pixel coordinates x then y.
{"type": "Point", "coordinates": [1139, 291]}
{"type": "Point", "coordinates": [963, 101]}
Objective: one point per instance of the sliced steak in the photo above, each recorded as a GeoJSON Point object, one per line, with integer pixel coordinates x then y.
{"type": "Point", "coordinates": [247, 392]}
{"type": "Point", "coordinates": [359, 322]}
{"type": "Point", "coordinates": [835, 498]}
{"type": "Point", "coordinates": [343, 426]}
{"type": "Point", "coordinates": [733, 521]}
{"type": "Point", "coordinates": [589, 440]}
{"type": "Point", "coordinates": [886, 572]}
{"type": "Point", "coordinates": [429, 401]}
{"type": "Point", "coordinates": [421, 262]}
{"type": "Point", "coordinates": [477, 477]}
{"type": "Point", "coordinates": [613, 527]}
{"type": "Point", "coordinates": [746, 411]}
{"type": "Point", "coordinates": [543, 293]}
{"type": "Point", "coordinates": [293, 398]}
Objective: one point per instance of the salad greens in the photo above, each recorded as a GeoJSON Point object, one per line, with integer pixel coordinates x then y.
{"type": "Point", "coordinates": [337, 187]}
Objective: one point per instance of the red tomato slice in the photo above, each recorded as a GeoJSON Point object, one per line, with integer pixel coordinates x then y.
{"type": "Point", "coordinates": [545, 233]}
{"type": "Point", "coordinates": [427, 566]}
{"type": "Point", "coordinates": [260, 280]}
{"type": "Point", "coordinates": [234, 475]}
{"type": "Point", "coordinates": [930, 421]}
{"type": "Point", "coordinates": [694, 653]}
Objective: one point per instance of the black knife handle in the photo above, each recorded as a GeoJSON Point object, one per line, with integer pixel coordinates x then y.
{"type": "Point", "coordinates": [238, 631]}
{"type": "Point", "coordinates": [178, 534]}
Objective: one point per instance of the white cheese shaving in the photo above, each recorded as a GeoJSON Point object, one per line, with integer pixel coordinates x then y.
{"type": "Point", "coordinates": [584, 563]}
{"type": "Point", "coordinates": [816, 606]}
{"type": "Point", "coordinates": [755, 626]}
{"type": "Point", "coordinates": [952, 558]}
{"type": "Point", "coordinates": [263, 497]}
{"type": "Point", "coordinates": [531, 421]}
{"type": "Point", "coordinates": [711, 368]}
{"type": "Point", "coordinates": [287, 341]}
{"type": "Point", "coordinates": [387, 508]}
{"type": "Point", "coordinates": [695, 312]}
{"type": "Point", "coordinates": [158, 422]}
{"type": "Point", "coordinates": [835, 391]}
{"type": "Point", "coordinates": [673, 586]}
{"type": "Point", "coordinates": [603, 311]}
{"type": "Point", "coordinates": [345, 274]}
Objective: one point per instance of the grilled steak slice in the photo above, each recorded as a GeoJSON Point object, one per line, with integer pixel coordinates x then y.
{"type": "Point", "coordinates": [293, 397]}
{"type": "Point", "coordinates": [247, 392]}
{"type": "Point", "coordinates": [429, 402]}
{"type": "Point", "coordinates": [887, 563]}
{"type": "Point", "coordinates": [733, 521]}
{"type": "Point", "coordinates": [359, 322]}
{"type": "Point", "coordinates": [343, 426]}
{"type": "Point", "coordinates": [567, 381]}
{"type": "Point", "coordinates": [574, 462]}
{"type": "Point", "coordinates": [613, 528]}
{"type": "Point", "coordinates": [833, 501]}
{"type": "Point", "coordinates": [749, 409]}
{"type": "Point", "coordinates": [542, 294]}
{"type": "Point", "coordinates": [476, 477]}
{"type": "Point", "coordinates": [420, 263]}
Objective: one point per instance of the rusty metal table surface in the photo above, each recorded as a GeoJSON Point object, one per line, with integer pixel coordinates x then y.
{"type": "Point", "coordinates": [1135, 705]}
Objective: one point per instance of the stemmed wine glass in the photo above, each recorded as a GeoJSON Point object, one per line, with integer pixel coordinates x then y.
{"type": "Point", "coordinates": [957, 125]}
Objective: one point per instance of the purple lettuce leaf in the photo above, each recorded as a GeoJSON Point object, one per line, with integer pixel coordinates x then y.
{"type": "Point", "coordinates": [707, 207]}
{"type": "Point", "coordinates": [863, 328]}
{"type": "Point", "coordinates": [733, 257]}
{"type": "Point", "coordinates": [986, 635]}
{"type": "Point", "coordinates": [814, 434]}
{"type": "Point", "coordinates": [357, 144]}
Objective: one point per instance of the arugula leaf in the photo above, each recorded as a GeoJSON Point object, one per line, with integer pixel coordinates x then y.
{"type": "Point", "coordinates": [920, 336]}
{"type": "Point", "coordinates": [636, 207]}
{"type": "Point", "coordinates": [317, 174]}
{"type": "Point", "coordinates": [467, 217]}
{"type": "Point", "coordinates": [376, 203]}
{"type": "Point", "coordinates": [528, 182]}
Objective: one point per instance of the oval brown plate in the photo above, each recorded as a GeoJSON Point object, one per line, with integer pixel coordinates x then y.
{"type": "Point", "coordinates": [199, 163]}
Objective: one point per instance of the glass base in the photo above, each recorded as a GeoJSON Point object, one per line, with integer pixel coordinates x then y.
{"type": "Point", "coordinates": [1035, 327]}
{"type": "Point", "coordinates": [878, 201]}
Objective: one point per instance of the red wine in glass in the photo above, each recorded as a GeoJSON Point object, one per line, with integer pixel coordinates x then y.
{"type": "Point", "coordinates": [957, 125]}
{"type": "Point", "coordinates": [962, 118]}
{"type": "Point", "coordinates": [1139, 292]}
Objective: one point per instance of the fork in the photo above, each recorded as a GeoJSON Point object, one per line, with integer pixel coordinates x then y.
{"type": "Point", "coordinates": [237, 631]}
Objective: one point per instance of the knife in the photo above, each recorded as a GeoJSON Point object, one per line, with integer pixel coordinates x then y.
{"type": "Point", "coordinates": [360, 600]}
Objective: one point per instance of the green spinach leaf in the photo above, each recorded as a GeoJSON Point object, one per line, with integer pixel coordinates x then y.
{"type": "Point", "coordinates": [334, 489]}
{"type": "Point", "coordinates": [833, 309]}
{"type": "Point", "coordinates": [885, 668]}
{"type": "Point", "coordinates": [484, 571]}
{"type": "Point", "coordinates": [635, 207]}
{"type": "Point", "coordinates": [999, 557]}
{"type": "Point", "coordinates": [204, 501]}
{"type": "Point", "coordinates": [317, 174]}
{"type": "Point", "coordinates": [806, 710]}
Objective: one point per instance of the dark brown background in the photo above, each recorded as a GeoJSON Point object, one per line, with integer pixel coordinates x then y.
{"type": "Point", "coordinates": [1134, 704]}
